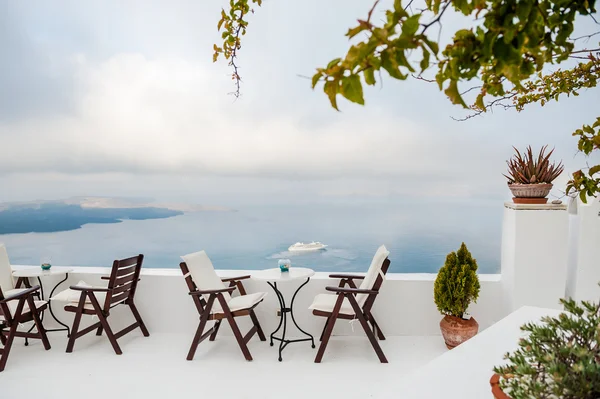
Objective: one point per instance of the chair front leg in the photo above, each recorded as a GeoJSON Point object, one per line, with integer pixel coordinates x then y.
{"type": "Point", "coordinates": [38, 323]}
{"type": "Point", "coordinates": [329, 328]}
{"type": "Point", "coordinates": [216, 327]}
{"type": "Point", "coordinates": [203, 319]}
{"type": "Point", "coordinates": [102, 318]}
{"type": "Point", "coordinates": [234, 327]}
{"type": "Point", "coordinates": [363, 322]}
{"type": "Point", "coordinates": [138, 318]}
{"type": "Point", "coordinates": [11, 334]}
{"type": "Point", "coordinates": [376, 328]}
{"type": "Point", "coordinates": [76, 321]}
{"type": "Point", "coordinates": [261, 334]}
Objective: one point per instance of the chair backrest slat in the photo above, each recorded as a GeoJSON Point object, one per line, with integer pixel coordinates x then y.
{"type": "Point", "coordinates": [123, 280]}
{"type": "Point", "coordinates": [189, 281]}
{"type": "Point", "coordinates": [378, 283]}
{"type": "Point", "coordinates": [6, 278]}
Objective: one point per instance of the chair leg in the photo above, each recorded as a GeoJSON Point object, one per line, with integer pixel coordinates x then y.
{"type": "Point", "coordinates": [329, 328]}
{"type": "Point", "coordinates": [213, 336]}
{"type": "Point", "coordinates": [234, 327]}
{"type": "Point", "coordinates": [138, 318]}
{"type": "Point", "coordinates": [376, 328]}
{"type": "Point", "coordinates": [38, 323]}
{"type": "Point", "coordinates": [104, 323]}
{"type": "Point", "coordinates": [261, 334]}
{"type": "Point", "coordinates": [99, 330]}
{"type": "Point", "coordinates": [203, 319]}
{"type": "Point", "coordinates": [363, 322]}
{"type": "Point", "coordinates": [7, 346]}
{"type": "Point", "coordinates": [76, 321]}
{"type": "Point", "coordinates": [2, 337]}
{"type": "Point", "coordinates": [324, 327]}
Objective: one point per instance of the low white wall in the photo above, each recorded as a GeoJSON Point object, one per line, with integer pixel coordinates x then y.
{"type": "Point", "coordinates": [405, 305]}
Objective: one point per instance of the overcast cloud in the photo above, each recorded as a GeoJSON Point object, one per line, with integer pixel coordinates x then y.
{"type": "Point", "coordinates": [104, 98]}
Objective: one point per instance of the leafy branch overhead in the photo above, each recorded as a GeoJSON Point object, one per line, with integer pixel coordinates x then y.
{"type": "Point", "coordinates": [502, 55]}
{"type": "Point", "coordinates": [234, 25]}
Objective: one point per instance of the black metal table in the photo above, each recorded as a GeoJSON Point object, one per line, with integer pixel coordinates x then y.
{"type": "Point", "coordinates": [273, 276]}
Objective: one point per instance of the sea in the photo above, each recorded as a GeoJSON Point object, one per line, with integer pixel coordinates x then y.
{"type": "Point", "coordinates": [418, 235]}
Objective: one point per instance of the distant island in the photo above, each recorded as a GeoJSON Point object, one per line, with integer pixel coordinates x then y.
{"type": "Point", "coordinates": [72, 213]}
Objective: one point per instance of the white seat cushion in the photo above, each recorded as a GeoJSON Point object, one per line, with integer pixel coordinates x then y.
{"type": "Point", "coordinates": [12, 306]}
{"type": "Point", "coordinates": [239, 302]}
{"type": "Point", "coordinates": [326, 303]}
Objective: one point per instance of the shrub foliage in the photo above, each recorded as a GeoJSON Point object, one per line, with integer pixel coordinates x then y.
{"type": "Point", "coordinates": [559, 358]}
{"type": "Point", "coordinates": [457, 283]}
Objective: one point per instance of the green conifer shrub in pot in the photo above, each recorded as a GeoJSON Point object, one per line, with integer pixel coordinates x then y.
{"type": "Point", "coordinates": [456, 285]}
{"type": "Point", "coordinates": [558, 358]}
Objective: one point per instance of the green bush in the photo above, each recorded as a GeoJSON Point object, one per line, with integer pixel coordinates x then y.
{"type": "Point", "coordinates": [457, 283]}
{"type": "Point", "coordinates": [559, 358]}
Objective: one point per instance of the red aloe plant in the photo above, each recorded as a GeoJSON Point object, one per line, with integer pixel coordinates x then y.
{"type": "Point", "coordinates": [527, 169]}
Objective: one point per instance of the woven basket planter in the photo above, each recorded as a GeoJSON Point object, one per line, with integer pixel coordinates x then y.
{"type": "Point", "coordinates": [530, 193]}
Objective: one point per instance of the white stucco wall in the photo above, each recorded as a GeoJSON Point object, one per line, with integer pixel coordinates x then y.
{"type": "Point", "coordinates": [405, 305]}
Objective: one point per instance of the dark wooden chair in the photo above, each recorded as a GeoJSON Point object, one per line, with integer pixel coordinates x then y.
{"type": "Point", "coordinates": [16, 309]}
{"type": "Point", "coordinates": [122, 284]}
{"type": "Point", "coordinates": [353, 302]}
{"type": "Point", "coordinates": [214, 302]}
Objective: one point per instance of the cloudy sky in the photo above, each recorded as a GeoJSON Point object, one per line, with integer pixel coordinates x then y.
{"type": "Point", "coordinates": [122, 98]}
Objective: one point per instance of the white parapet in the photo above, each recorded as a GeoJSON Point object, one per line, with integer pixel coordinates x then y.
{"type": "Point", "coordinates": [534, 254]}
{"type": "Point", "coordinates": [584, 250]}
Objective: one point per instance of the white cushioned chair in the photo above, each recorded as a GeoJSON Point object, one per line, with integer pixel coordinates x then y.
{"type": "Point", "coordinates": [214, 301]}
{"type": "Point", "coordinates": [353, 302]}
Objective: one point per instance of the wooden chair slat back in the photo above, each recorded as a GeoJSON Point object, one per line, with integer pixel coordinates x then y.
{"type": "Point", "coordinates": [4, 311]}
{"type": "Point", "coordinates": [123, 280]}
{"type": "Point", "coordinates": [378, 282]}
{"type": "Point", "coordinates": [198, 299]}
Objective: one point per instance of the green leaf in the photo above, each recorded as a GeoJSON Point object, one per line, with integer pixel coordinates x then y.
{"type": "Point", "coordinates": [453, 93]}
{"type": "Point", "coordinates": [594, 170]}
{"type": "Point", "coordinates": [425, 61]}
{"type": "Point", "coordinates": [369, 75]}
{"type": "Point", "coordinates": [411, 25]}
{"type": "Point", "coordinates": [355, 31]}
{"type": "Point", "coordinates": [582, 197]}
{"type": "Point", "coordinates": [352, 89]}
{"type": "Point", "coordinates": [315, 79]}
{"type": "Point", "coordinates": [333, 63]}
{"type": "Point", "coordinates": [391, 66]}
{"type": "Point", "coordinates": [331, 88]}
{"type": "Point", "coordinates": [435, 48]}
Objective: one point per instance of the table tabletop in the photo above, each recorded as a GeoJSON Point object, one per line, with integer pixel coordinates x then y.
{"type": "Point", "coordinates": [276, 275]}
{"type": "Point", "coordinates": [33, 272]}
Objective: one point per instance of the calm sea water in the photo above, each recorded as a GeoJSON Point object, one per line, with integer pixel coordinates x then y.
{"type": "Point", "coordinates": [419, 237]}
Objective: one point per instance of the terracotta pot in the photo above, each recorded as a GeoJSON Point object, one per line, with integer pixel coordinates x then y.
{"type": "Point", "coordinates": [496, 390]}
{"type": "Point", "coordinates": [456, 330]}
{"type": "Point", "coordinates": [530, 193]}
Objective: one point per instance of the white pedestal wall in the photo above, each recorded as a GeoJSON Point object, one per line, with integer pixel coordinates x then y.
{"type": "Point", "coordinates": [534, 255]}
{"type": "Point", "coordinates": [584, 251]}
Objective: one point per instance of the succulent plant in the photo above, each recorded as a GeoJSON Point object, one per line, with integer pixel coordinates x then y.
{"type": "Point", "coordinates": [528, 169]}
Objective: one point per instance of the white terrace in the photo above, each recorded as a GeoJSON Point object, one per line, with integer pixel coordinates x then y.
{"type": "Point", "coordinates": [546, 253]}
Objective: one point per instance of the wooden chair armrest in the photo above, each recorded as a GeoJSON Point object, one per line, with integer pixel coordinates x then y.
{"type": "Point", "coordinates": [21, 294]}
{"type": "Point", "coordinates": [228, 279]}
{"type": "Point", "coordinates": [347, 276]}
{"type": "Point", "coordinates": [105, 277]}
{"type": "Point", "coordinates": [218, 291]}
{"type": "Point", "coordinates": [350, 290]}
{"type": "Point", "coordinates": [95, 289]}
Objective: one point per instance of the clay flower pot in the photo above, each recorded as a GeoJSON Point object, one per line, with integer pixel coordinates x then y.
{"type": "Point", "coordinates": [456, 330]}
{"type": "Point", "coordinates": [496, 389]}
{"type": "Point", "coordinates": [530, 193]}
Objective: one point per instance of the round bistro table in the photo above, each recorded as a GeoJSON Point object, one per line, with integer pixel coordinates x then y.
{"type": "Point", "coordinates": [274, 276]}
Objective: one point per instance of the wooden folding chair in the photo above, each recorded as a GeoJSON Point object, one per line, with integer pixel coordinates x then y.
{"type": "Point", "coordinates": [214, 302]}
{"type": "Point", "coordinates": [16, 309]}
{"type": "Point", "coordinates": [353, 302]}
{"type": "Point", "coordinates": [122, 284]}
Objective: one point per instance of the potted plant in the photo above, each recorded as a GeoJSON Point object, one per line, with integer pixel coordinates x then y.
{"type": "Point", "coordinates": [530, 178]}
{"type": "Point", "coordinates": [559, 358]}
{"type": "Point", "coordinates": [455, 287]}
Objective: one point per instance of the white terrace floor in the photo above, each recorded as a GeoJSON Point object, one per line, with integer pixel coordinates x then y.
{"type": "Point", "coordinates": [155, 367]}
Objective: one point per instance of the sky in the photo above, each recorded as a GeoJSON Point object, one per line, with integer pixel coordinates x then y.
{"type": "Point", "coordinates": [115, 98]}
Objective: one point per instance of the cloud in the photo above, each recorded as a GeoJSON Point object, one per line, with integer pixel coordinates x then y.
{"type": "Point", "coordinates": [168, 115]}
